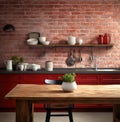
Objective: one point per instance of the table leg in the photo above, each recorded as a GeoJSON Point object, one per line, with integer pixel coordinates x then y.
{"type": "Point", "coordinates": [24, 111]}
{"type": "Point", "coordinates": [116, 113]}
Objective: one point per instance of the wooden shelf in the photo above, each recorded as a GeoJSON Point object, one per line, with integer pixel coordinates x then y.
{"type": "Point", "coordinates": [66, 45]}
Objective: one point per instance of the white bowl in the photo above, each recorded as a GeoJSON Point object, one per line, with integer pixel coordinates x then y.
{"type": "Point", "coordinates": [35, 67]}
{"type": "Point", "coordinates": [32, 41]}
{"type": "Point", "coordinates": [42, 39]}
{"type": "Point", "coordinates": [46, 43]}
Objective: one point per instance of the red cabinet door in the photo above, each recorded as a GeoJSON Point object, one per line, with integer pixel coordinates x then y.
{"type": "Point", "coordinates": [53, 76]}
{"type": "Point", "coordinates": [87, 79]}
{"type": "Point", "coordinates": [110, 79]}
{"type": "Point", "coordinates": [32, 78]}
{"type": "Point", "coordinates": [7, 82]}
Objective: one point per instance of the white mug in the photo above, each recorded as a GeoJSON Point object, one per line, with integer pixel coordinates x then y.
{"type": "Point", "coordinates": [34, 67]}
{"type": "Point", "coordinates": [21, 67]}
{"type": "Point", "coordinates": [42, 39]}
{"type": "Point", "coordinates": [25, 66]}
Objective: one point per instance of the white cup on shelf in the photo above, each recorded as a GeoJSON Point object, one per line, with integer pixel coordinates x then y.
{"type": "Point", "coordinates": [42, 39]}
{"type": "Point", "coordinates": [80, 41]}
{"type": "Point", "coordinates": [71, 40]}
{"type": "Point", "coordinates": [21, 67]}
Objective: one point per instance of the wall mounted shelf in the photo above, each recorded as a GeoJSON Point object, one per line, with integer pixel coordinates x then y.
{"type": "Point", "coordinates": [66, 45]}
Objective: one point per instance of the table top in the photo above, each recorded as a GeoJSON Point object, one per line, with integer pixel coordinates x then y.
{"type": "Point", "coordinates": [54, 93]}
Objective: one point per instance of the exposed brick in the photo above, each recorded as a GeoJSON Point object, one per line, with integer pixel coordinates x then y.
{"type": "Point", "coordinates": [58, 19]}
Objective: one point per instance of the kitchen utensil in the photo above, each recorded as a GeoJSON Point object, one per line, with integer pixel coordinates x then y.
{"type": "Point", "coordinates": [80, 58]}
{"type": "Point", "coordinates": [75, 57]}
{"type": "Point", "coordinates": [70, 60]}
{"type": "Point", "coordinates": [91, 55]}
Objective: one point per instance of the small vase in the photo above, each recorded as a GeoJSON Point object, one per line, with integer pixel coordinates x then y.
{"type": "Point", "coordinates": [69, 86]}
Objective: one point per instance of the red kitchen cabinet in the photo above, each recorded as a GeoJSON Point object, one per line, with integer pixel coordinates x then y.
{"type": "Point", "coordinates": [7, 82]}
{"type": "Point", "coordinates": [83, 79]}
{"type": "Point", "coordinates": [110, 79]}
{"type": "Point", "coordinates": [87, 79]}
{"type": "Point", "coordinates": [54, 76]}
{"type": "Point", "coordinates": [32, 78]}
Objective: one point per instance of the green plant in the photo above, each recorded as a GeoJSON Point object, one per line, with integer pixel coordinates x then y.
{"type": "Point", "coordinates": [17, 59]}
{"type": "Point", "coordinates": [68, 77]}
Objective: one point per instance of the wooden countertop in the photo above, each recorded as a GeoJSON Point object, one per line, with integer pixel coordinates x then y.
{"type": "Point", "coordinates": [54, 93]}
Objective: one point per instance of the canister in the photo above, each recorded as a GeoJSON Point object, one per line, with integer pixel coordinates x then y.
{"type": "Point", "coordinates": [49, 65]}
{"type": "Point", "coordinates": [9, 65]}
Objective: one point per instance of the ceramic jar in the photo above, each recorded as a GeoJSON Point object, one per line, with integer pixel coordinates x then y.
{"type": "Point", "coordinates": [9, 65]}
{"type": "Point", "coordinates": [71, 40]}
{"type": "Point", "coordinates": [49, 65]}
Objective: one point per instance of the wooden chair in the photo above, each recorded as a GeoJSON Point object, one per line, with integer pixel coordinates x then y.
{"type": "Point", "coordinates": [57, 107]}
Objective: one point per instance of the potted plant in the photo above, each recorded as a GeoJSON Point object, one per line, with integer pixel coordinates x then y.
{"type": "Point", "coordinates": [16, 60]}
{"type": "Point", "coordinates": [69, 83]}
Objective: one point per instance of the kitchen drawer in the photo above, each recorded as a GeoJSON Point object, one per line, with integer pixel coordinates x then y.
{"type": "Point", "coordinates": [77, 106]}
{"type": "Point", "coordinates": [5, 88]}
{"type": "Point", "coordinates": [54, 76]}
{"type": "Point", "coordinates": [32, 78]}
{"type": "Point", "coordinates": [9, 77]}
{"type": "Point", "coordinates": [110, 79]}
{"type": "Point", "coordinates": [87, 79]}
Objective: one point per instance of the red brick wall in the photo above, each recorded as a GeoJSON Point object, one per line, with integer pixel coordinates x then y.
{"type": "Point", "coordinates": [58, 19]}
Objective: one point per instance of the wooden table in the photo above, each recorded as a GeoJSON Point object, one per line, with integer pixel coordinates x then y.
{"type": "Point", "coordinates": [26, 94]}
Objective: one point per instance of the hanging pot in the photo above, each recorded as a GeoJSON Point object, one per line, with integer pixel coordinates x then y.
{"type": "Point", "coordinates": [70, 61]}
